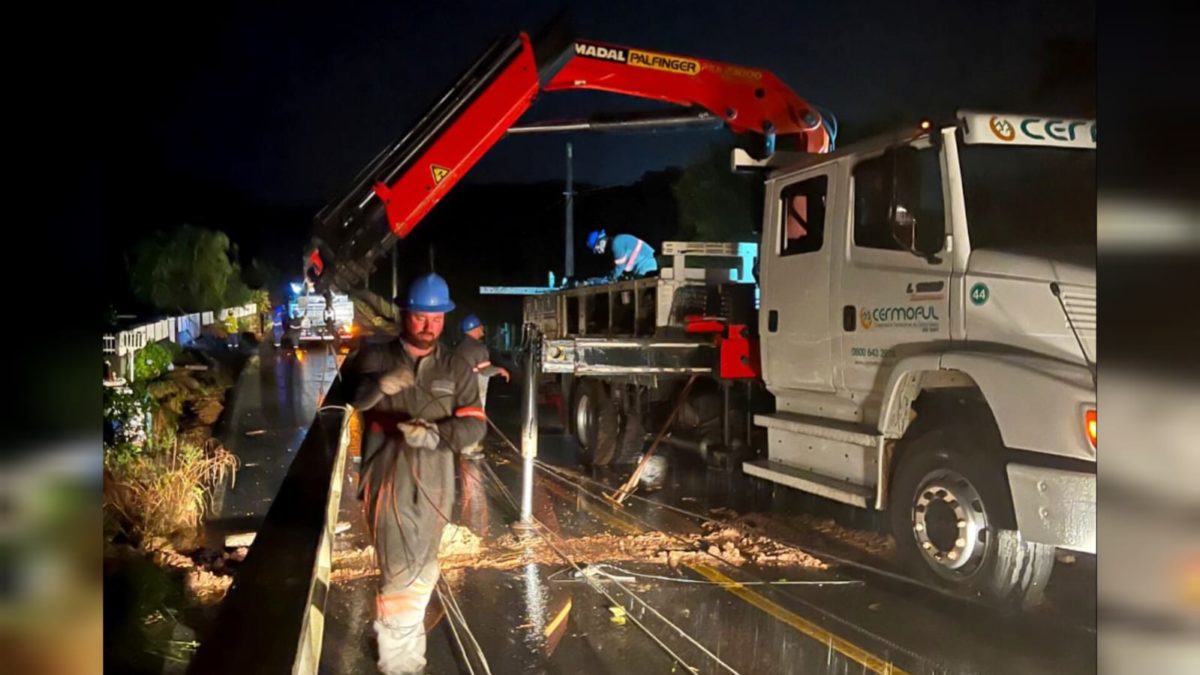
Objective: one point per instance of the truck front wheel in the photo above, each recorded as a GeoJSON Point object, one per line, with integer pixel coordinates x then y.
{"type": "Point", "coordinates": [596, 422]}
{"type": "Point", "coordinates": [951, 515]}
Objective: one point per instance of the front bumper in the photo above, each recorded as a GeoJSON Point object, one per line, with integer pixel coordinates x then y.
{"type": "Point", "coordinates": [1054, 506]}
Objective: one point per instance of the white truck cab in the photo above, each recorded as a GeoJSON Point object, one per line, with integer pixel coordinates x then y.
{"type": "Point", "coordinates": [928, 326]}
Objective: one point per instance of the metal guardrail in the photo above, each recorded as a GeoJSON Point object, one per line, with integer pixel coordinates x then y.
{"type": "Point", "coordinates": [308, 653]}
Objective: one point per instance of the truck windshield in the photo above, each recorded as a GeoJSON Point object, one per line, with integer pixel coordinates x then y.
{"type": "Point", "coordinates": [1018, 197]}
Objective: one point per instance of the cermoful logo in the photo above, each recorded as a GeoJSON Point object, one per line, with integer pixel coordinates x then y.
{"type": "Point", "coordinates": [924, 317]}
{"type": "Point", "coordinates": [865, 317]}
{"type": "Point", "coordinates": [594, 51]}
{"type": "Point", "coordinates": [1003, 129]}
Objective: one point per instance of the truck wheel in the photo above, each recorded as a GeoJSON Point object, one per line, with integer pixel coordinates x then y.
{"type": "Point", "coordinates": [581, 416]}
{"type": "Point", "coordinates": [632, 439]}
{"type": "Point", "coordinates": [951, 515]}
{"type": "Point", "coordinates": [596, 423]}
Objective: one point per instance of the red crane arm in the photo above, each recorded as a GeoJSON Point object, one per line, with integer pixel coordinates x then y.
{"type": "Point", "coordinates": [746, 99]}
{"type": "Point", "coordinates": [409, 177]}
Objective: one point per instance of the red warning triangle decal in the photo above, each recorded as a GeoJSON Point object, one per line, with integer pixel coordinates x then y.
{"type": "Point", "coordinates": [439, 173]}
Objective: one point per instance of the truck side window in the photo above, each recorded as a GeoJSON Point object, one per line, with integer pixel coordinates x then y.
{"type": "Point", "coordinates": [872, 196]}
{"type": "Point", "coordinates": [803, 227]}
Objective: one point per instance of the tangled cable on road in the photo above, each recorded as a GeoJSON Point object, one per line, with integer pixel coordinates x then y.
{"type": "Point", "coordinates": [558, 473]}
{"type": "Point", "coordinates": [542, 531]}
{"type": "Point", "coordinates": [598, 567]}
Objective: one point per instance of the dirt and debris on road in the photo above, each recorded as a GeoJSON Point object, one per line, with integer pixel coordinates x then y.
{"type": "Point", "coordinates": [463, 549]}
{"type": "Point", "coordinates": [874, 543]}
{"type": "Point", "coordinates": [458, 542]}
{"type": "Point", "coordinates": [806, 529]}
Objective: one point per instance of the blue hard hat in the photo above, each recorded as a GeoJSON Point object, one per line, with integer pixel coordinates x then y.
{"type": "Point", "coordinates": [470, 322]}
{"type": "Point", "coordinates": [595, 236]}
{"type": "Point", "coordinates": [429, 294]}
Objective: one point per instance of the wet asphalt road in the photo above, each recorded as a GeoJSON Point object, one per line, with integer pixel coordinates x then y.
{"type": "Point", "coordinates": [538, 619]}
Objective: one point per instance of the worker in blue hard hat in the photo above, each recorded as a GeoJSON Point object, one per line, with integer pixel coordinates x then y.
{"type": "Point", "coordinates": [420, 408]}
{"type": "Point", "coordinates": [473, 350]}
{"type": "Point", "coordinates": [630, 254]}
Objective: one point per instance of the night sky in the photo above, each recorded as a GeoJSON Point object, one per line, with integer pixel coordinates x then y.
{"type": "Point", "coordinates": [249, 117]}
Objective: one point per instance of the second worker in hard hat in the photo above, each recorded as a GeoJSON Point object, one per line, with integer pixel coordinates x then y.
{"type": "Point", "coordinates": [421, 407]}
{"type": "Point", "coordinates": [473, 350]}
{"type": "Point", "coordinates": [630, 254]}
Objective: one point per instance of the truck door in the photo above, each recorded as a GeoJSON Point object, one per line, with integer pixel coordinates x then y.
{"type": "Point", "coordinates": [894, 302]}
{"type": "Point", "coordinates": [794, 310]}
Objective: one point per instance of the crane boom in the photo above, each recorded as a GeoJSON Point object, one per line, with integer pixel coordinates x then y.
{"type": "Point", "coordinates": [408, 178]}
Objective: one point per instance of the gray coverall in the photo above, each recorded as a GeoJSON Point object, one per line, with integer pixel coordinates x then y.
{"type": "Point", "coordinates": [476, 354]}
{"type": "Point", "coordinates": [410, 491]}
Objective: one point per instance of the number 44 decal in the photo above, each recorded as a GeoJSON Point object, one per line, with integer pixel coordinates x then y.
{"type": "Point", "coordinates": [980, 294]}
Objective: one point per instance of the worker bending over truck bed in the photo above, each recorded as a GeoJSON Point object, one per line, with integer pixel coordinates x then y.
{"type": "Point", "coordinates": [630, 254]}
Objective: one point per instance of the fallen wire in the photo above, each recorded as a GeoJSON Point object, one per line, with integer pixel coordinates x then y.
{"type": "Point", "coordinates": [503, 490]}
{"type": "Point", "coordinates": [723, 584]}
{"type": "Point", "coordinates": [567, 477]}
{"type": "Point", "coordinates": [454, 614]}
{"type": "Point", "coordinates": [454, 629]}
{"type": "Point", "coordinates": [822, 612]}
{"type": "Point", "coordinates": [542, 531]}
{"type": "Point", "coordinates": [453, 611]}
{"type": "Point", "coordinates": [462, 619]}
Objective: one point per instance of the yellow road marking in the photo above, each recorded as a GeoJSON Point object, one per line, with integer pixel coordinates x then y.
{"type": "Point", "coordinates": [838, 644]}
{"type": "Point", "coordinates": [842, 646]}
{"type": "Point", "coordinates": [553, 626]}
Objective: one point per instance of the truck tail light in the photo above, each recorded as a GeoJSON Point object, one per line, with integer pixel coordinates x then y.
{"type": "Point", "coordinates": [1089, 425]}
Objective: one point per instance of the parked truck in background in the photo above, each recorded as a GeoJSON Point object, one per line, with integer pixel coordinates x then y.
{"type": "Point", "coordinates": [309, 319]}
{"type": "Point", "coordinates": [925, 345]}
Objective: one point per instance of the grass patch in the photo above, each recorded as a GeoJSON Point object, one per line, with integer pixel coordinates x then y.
{"type": "Point", "coordinates": [163, 494]}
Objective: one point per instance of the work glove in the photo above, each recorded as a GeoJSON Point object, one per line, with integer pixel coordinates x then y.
{"type": "Point", "coordinates": [395, 381]}
{"type": "Point", "coordinates": [420, 434]}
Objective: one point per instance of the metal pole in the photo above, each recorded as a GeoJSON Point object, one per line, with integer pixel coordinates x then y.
{"type": "Point", "coordinates": [529, 431]}
{"type": "Point", "coordinates": [569, 269]}
{"type": "Point", "coordinates": [726, 426]}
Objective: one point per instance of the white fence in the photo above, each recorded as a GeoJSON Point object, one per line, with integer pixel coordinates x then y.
{"type": "Point", "coordinates": [182, 330]}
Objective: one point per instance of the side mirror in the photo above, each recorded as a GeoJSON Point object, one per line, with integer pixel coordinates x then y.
{"type": "Point", "coordinates": [904, 175]}
{"type": "Point", "coordinates": [903, 224]}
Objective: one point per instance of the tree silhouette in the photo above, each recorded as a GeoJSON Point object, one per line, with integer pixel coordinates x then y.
{"type": "Point", "coordinates": [187, 269]}
{"type": "Point", "coordinates": [714, 203]}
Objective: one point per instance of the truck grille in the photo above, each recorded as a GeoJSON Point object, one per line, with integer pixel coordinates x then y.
{"type": "Point", "coordinates": [1081, 307]}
